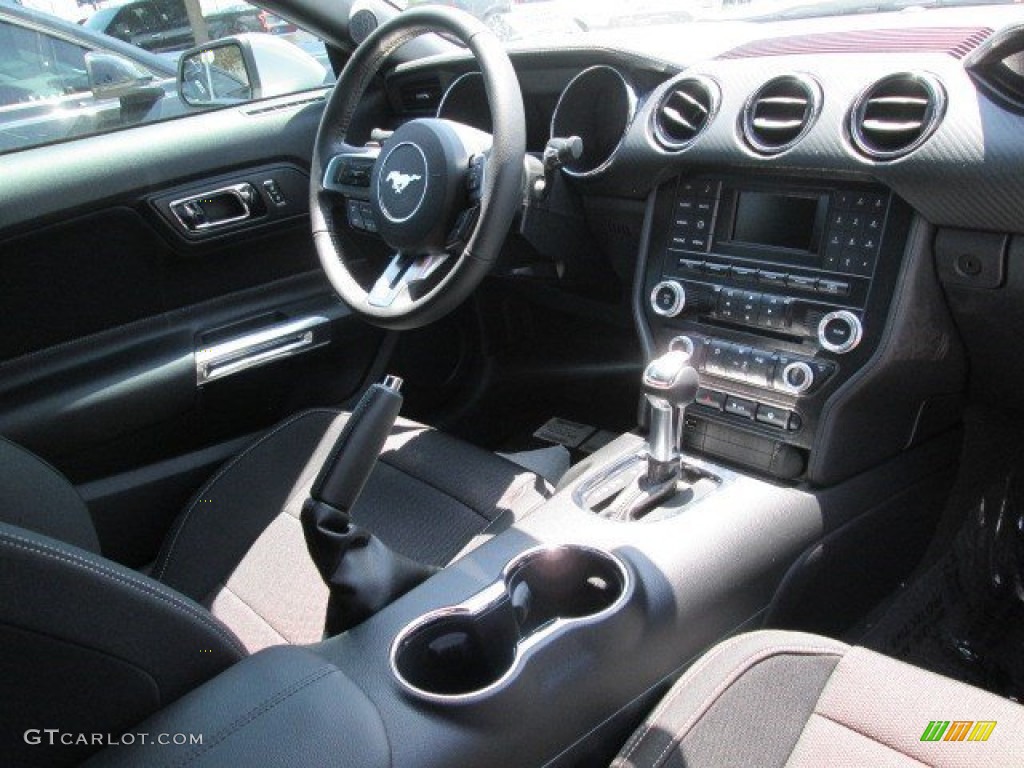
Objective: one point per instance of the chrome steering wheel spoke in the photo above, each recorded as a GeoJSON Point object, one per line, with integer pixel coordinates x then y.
{"type": "Point", "coordinates": [403, 275]}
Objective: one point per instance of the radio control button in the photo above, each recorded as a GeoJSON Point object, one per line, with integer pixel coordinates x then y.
{"type": "Point", "coordinates": [774, 312]}
{"type": "Point", "coordinates": [777, 279]}
{"type": "Point", "coordinates": [708, 189]}
{"type": "Point", "coordinates": [714, 361]}
{"type": "Point", "coordinates": [668, 298]}
{"type": "Point", "coordinates": [728, 303]}
{"type": "Point", "coordinates": [840, 332]}
{"type": "Point", "coordinates": [692, 266]}
{"type": "Point", "coordinates": [834, 287]}
{"type": "Point", "coordinates": [697, 243]}
{"type": "Point", "coordinates": [838, 220]}
{"type": "Point", "coordinates": [863, 264]}
{"type": "Point", "coordinates": [762, 368]}
{"type": "Point", "coordinates": [705, 207]}
{"type": "Point", "coordinates": [750, 307]}
{"type": "Point", "coordinates": [802, 283]}
{"type": "Point", "coordinates": [717, 270]}
{"type": "Point", "coordinates": [735, 362]}
{"type": "Point", "coordinates": [744, 274]}
{"type": "Point", "coordinates": [738, 406]}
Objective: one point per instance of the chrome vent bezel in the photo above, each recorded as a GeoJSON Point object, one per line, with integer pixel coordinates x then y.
{"type": "Point", "coordinates": [703, 108]}
{"type": "Point", "coordinates": [753, 125]}
{"type": "Point", "coordinates": [930, 96]}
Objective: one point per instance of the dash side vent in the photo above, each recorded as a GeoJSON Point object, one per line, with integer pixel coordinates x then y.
{"type": "Point", "coordinates": [684, 112]}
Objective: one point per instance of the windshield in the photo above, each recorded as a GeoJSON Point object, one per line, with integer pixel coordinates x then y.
{"type": "Point", "coordinates": [522, 19]}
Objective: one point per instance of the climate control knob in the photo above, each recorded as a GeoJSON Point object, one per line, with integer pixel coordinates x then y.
{"type": "Point", "coordinates": [798, 377]}
{"type": "Point", "coordinates": [668, 298]}
{"type": "Point", "coordinates": [840, 332]}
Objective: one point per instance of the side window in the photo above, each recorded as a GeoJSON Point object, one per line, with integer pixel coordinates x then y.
{"type": "Point", "coordinates": [99, 89]}
{"type": "Point", "coordinates": [35, 67]}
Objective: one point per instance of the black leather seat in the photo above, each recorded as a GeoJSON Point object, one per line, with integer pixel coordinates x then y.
{"type": "Point", "coordinates": [233, 575]}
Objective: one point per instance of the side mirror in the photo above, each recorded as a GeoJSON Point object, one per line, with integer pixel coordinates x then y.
{"type": "Point", "coordinates": [244, 67]}
{"type": "Point", "coordinates": [216, 74]}
{"type": "Point", "coordinates": [112, 76]}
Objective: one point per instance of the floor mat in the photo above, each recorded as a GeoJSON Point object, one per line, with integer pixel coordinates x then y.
{"type": "Point", "coordinates": [964, 616]}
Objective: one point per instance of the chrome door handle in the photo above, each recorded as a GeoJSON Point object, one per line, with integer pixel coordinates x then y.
{"type": "Point", "coordinates": [217, 208]}
{"type": "Point", "coordinates": [260, 347]}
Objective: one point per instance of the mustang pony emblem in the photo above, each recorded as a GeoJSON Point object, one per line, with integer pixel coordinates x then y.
{"type": "Point", "coordinates": [399, 181]}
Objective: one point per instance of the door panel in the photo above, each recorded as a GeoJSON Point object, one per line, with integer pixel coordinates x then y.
{"type": "Point", "coordinates": [107, 301]}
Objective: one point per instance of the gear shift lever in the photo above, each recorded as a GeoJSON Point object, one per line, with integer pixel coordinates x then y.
{"type": "Point", "coordinates": [670, 382]}
{"type": "Point", "coordinates": [362, 573]}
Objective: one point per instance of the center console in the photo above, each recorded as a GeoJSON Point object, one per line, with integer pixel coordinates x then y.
{"type": "Point", "coordinates": [780, 290]}
{"type": "Point", "coordinates": [795, 325]}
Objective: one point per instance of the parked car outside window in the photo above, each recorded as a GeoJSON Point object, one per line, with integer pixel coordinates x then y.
{"type": "Point", "coordinates": [57, 78]}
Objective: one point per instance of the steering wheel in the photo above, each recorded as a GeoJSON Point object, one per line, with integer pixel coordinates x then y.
{"type": "Point", "coordinates": [441, 194]}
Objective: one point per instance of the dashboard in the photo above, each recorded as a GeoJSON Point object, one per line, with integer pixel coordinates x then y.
{"type": "Point", "coordinates": [791, 186]}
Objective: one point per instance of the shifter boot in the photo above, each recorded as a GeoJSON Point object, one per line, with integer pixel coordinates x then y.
{"type": "Point", "coordinates": [362, 572]}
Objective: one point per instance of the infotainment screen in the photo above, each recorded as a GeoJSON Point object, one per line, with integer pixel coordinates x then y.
{"type": "Point", "coordinates": [777, 221]}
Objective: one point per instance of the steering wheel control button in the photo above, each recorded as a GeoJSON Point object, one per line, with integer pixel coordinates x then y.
{"type": "Point", "coordinates": [668, 298]}
{"type": "Point", "coordinates": [403, 182]}
{"type": "Point", "coordinates": [475, 177]}
{"type": "Point", "coordinates": [840, 332]}
{"type": "Point", "coordinates": [354, 172]}
{"type": "Point", "coordinates": [797, 377]}
{"type": "Point", "coordinates": [355, 214]}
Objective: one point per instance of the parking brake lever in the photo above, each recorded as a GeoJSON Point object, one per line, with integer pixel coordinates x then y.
{"type": "Point", "coordinates": [362, 573]}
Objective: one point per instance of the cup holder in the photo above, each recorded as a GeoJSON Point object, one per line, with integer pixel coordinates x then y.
{"type": "Point", "coordinates": [467, 650]}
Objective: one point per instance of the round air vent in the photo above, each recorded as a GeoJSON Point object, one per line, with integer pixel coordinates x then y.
{"type": "Point", "coordinates": [684, 111]}
{"type": "Point", "coordinates": [896, 115]}
{"type": "Point", "coordinates": [779, 113]}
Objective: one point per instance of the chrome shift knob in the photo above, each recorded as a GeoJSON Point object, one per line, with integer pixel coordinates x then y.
{"type": "Point", "coordinates": [669, 382]}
